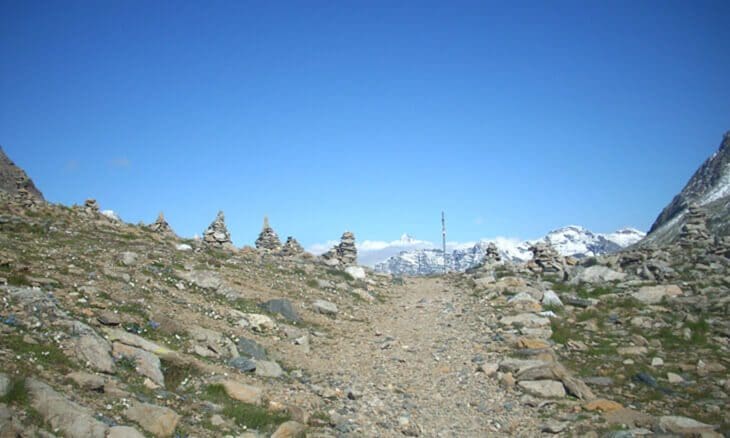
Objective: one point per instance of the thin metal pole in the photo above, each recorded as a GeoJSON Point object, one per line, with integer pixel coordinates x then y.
{"type": "Point", "coordinates": [443, 237]}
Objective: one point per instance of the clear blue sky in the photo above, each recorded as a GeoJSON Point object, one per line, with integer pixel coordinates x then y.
{"type": "Point", "coordinates": [361, 115]}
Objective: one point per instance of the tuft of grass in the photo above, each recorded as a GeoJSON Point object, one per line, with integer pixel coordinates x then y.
{"type": "Point", "coordinates": [312, 283]}
{"type": "Point", "coordinates": [17, 393]}
{"type": "Point", "coordinates": [342, 274]}
{"type": "Point", "coordinates": [562, 331]}
{"type": "Point", "coordinates": [176, 371]}
{"type": "Point", "coordinates": [244, 414]}
{"type": "Point", "coordinates": [44, 354]}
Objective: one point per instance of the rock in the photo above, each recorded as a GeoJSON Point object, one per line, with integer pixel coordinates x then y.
{"type": "Point", "coordinates": [211, 343]}
{"type": "Point", "coordinates": [525, 320]}
{"type": "Point", "coordinates": [147, 364]}
{"type": "Point", "coordinates": [603, 405]}
{"type": "Point", "coordinates": [124, 432]}
{"type": "Point", "coordinates": [628, 417]}
{"type": "Point", "coordinates": [268, 240]}
{"type": "Point", "coordinates": [137, 341]}
{"type": "Point", "coordinates": [555, 371]}
{"type": "Point", "coordinates": [91, 206]}
{"type": "Point", "coordinates": [183, 247]}
{"type": "Point", "coordinates": [657, 362]}
{"type": "Point", "coordinates": [674, 378]}
{"type": "Point", "coordinates": [109, 318]}
{"type": "Point", "coordinates": [345, 253]}
{"type": "Point", "coordinates": [62, 414]}
{"type": "Point", "coordinates": [95, 351]}
{"type": "Point", "coordinates": [241, 392]}
{"type": "Point", "coordinates": [161, 226]}
{"type": "Point", "coordinates": [282, 307]}
{"type": "Point", "coordinates": [258, 322]}
{"type": "Point", "coordinates": [217, 234]}
{"type": "Point", "coordinates": [489, 369]}
{"type": "Point", "coordinates": [324, 307]}
{"type": "Point", "coordinates": [632, 351]}
{"type": "Point", "coordinates": [550, 298]}
{"type": "Point", "coordinates": [545, 259]}
{"type": "Point", "coordinates": [553, 426]}
{"type": "Point", "coordinates": [523, 298]}
{"type": "Point", "coordinates": [543, 388]}
{"type": "Point", "coordinates": [242, 364]}
{"type": "Point", "coordinates": [684, 425]}
{"type": "Point", "coordinates": [202, 279]}
{"type": "Point", "coordinates": [532, 344]}
{"type": "Point", "coordinates": [655, 294]}
{"type": "Point", "coordinates": [291, 248]}
{"type": "Point", "coordinates": [157, 420]}
{"type": "Point", "coordinates": [87, 381]}
{"type": "Point", "coordinates": [289, 429]}
{"type": "Point", "coordinates": [266, 368]}
{"type": "Point", "coordinates": [598, 274]}
{"type": "Point", "coordinates": [128, 258]}
{"type": "Point", "coordinates": [356, 272]}
{"type": "Point", "coordinates": [250, 349]}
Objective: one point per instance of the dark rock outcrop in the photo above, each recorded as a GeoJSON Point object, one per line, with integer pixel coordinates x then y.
{"type": "Point", "coordinates": [15, 181]}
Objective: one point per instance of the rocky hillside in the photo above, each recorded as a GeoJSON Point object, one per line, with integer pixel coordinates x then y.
{"type": "Point", "coordinates": [708, 188]}
{"type": "Point", "coordinates": [572, 241]}
{"type": "Point", "coordinates": [112, 330]}
{"type": "Point", "coordinates": [13, 179]}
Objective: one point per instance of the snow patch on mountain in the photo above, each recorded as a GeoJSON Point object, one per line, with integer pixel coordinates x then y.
{"type": "Point", "coordinates": [572, 240]}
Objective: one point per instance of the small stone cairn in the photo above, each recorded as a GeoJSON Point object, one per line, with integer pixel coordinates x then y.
{"type": "Point", "coordinates": [217, 234]}
{"type": "Point", "coordinates": [268, 240]}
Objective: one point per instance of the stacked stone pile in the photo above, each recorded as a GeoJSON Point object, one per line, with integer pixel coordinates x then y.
{"type": "Point", "coordinates": [545, 259]}
{"type": "Point", "coordinates": [268, 240]}
{"type": "Point", "coordinates": [217, 234]}
{"type": "Point", "coordinates": [344, 253]}
{"type": "Point", "coordinates": [694, 231]}
{"type": "Point", "coordinates": [161, 226]}
{"type": "Point", "coordinates": [291, 247]}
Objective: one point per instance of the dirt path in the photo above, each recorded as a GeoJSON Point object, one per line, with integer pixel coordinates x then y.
{"type": "Point", "coordinates": [414, 367]}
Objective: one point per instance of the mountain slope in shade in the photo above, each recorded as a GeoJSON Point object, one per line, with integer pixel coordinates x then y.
{"type": "Point", "coordinates": [13, 177]}
{"type": "Point", "coordinates": [572, 240]}
{"type": "Point", "coordinates": [709, 187]}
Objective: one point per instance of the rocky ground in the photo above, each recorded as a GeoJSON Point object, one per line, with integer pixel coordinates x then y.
{"type": "Point", "coordinates": [119, 330]}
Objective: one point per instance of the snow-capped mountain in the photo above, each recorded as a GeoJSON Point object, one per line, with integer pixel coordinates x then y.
{"type": "Point", "coordinates": [569, 241]}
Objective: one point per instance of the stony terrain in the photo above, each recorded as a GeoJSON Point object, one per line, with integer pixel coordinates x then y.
{"type": "Point", "coordinates": [111, 329]}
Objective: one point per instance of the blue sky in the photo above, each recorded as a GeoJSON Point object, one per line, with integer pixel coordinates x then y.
{"type": "Point", "coordinates": [514, 119]}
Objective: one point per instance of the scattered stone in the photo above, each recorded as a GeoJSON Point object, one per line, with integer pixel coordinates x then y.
{"type": "Point", "coordinates": [241, 392]}
{"type": "Point", "coordinates": [282, 307]}
{"type": "Point", "coordinates": [553, 426]}
{"type": "Point", "coordinates": [128, 258]}
{"type": "Point", "coordinates": [684, 425]}
{"type": "Point", "coordinates": [267, 368]}
{"type": "Point", "coordinates": [550, 298]}
{"type": "Point", "coordinates": [109, 318]}
{"type": "Point", "coordinates": [543, 388]}
{"type": "Point", "coordinates": [598, 274]}
{"type": "Point", "coordinates": [289, 429]}
{"type": "Point", "coordinates": [325, 307]}
{"type": "Point", "coordinates": [655, 294]}
{"type": "Point", "coordinates": [242, 364]}
{"type": "Point", "coordinates": [258, 322]}
{"type": "Point", "coordinates": [124, 432]}
{"type": "Point", "coordinates": [657, 362]}
{"type": "Point", "coordinates": [356, 272]}
{"type": "Point", "coordinates": [146, 363]}
{"type": "Point", "coordinates": [157, 420]}
{"type": "Point", "coordinates": [251, 349]}
{"type": "Point", "coordinates": [87, 381]}
{"type": "Point", "coordinates": [62, 414]}
{"type": "Point", "coordinates": [603, 405]}
{"type": "Point", "coordinates": [675, 378]}
{"type": "Point", "coordinates": [632, 350]}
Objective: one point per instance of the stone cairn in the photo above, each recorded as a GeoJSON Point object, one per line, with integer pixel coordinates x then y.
{"type": "Point", "coordinates": [491, 255]}
{"type": "Point", "coordinates": [694, 231]}
{"type": "Point", "coordinates": [545, 259]}
{"type": "Point", "coordinates": [22, 195]}
{"type": "Point", "coordinates": [268, 240]}
{"type": "Point", "coordinates": [291, 248]}
{"type": "Point", "coordinates": [161, 226]}
{"type": "Point", "coordinates": [217, 234]}
{"type": "Point", "coordinates": [345, 253]}
{"type": "Point", "coordinates": [91, 206]}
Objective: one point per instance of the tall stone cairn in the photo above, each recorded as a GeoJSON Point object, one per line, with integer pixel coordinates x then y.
{"type": "Point", "coordinates": [694, 231]}
{"type": "Point", "coordinates": [491, 255]}
{"type": "Point", "coordinates": [217, 234]}
{"type": "Point", "coordinates": [161, 226]}
{"type": "Point", "coordinates": [291, 247]}
{"type": "Point", "coordinates": [268, 240]}
{"type": "Point", "coordinates": [545, 259]}
{"type": "Point", "coordinates": [91, 206]}
{"type": "Point", "coordinates": [345, 253]}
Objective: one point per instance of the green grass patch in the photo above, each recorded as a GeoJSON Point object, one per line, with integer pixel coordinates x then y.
{"type": "Point", "coordinates": [44, 354]}
{"type": "Point", "coordinates": [562, 331]}
{"type": "Point", "coordinates": [17, 393]}
{"type": "Point", "coordinates": [176, 372]}
{"type": "Point", "coordinates": [244, 414]}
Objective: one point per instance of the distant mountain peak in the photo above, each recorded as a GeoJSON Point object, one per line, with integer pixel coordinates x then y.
{"type": "Point", "coordinates": [14, 179]}
{"type": "Point", "coordinates": [709, 187]}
